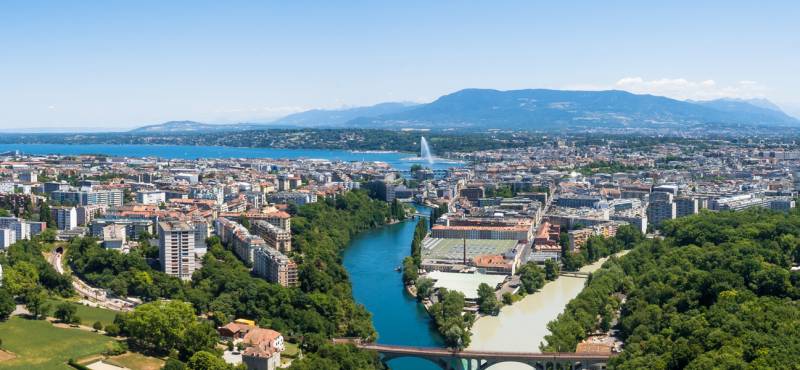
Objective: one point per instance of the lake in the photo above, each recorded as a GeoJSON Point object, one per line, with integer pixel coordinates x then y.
{"type": "Point", "coordinates": [402, 161]}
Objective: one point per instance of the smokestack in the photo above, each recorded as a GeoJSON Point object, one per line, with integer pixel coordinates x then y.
{"type": "Point", "coordinates": [465, 247]}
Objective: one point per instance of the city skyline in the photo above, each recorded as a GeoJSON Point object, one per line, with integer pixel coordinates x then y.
{"type": "Point", "coordinates": [114, 66]}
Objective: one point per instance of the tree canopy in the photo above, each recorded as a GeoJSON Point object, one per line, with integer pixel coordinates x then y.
{"type": "Point", "coordinates": [716, 292]}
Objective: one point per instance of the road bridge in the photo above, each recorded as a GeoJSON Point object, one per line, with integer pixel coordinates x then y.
{"type": "Point", "coordinates": [579, 274]}
{"type": "Point", "coordinates": [449, 359]}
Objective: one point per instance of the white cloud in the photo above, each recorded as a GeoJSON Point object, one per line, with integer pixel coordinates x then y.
{"type": "Point", "coordinates": [682, 88]}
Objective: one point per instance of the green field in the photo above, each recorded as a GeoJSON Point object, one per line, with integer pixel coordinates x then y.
{"type": "Point", "coordinates": [39, 345]}
{"type": "Point", "coordinates": [135, 361]}
{"type": "Point", "coordinates": [88, 315]}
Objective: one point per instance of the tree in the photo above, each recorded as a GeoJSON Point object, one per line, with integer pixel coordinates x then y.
{"type": "Point", "coordinates": [35, 300]}
{"type": "Point", "coordinates": [447, 314]}
{"type": "Point", "coordinates": [66, 312]}
{"type": "Point", "coordinates": [629, 235]}
{"type": "Point", "coordinates": [174, 364]}
{"type": "Point", "coordinates": [47, 235]}
{"type": "Point", "coordinates": [199, 336]}
{"type": "Point", "coordinates": [508, 298]}
{"type": "Point", "coordinates": [532, 277]}
{"type": "Point", "coordinates": [487, 300]}
{"type": "Point", "coordinates": [44, 214]}
{"type": "Point", "coordinates": [551, 269]}
{"type": "Point", "coordinates": [112, 330]}
{"type": "Point", "coordinates": [397, 210]}
{"type": "Point", "coordinates": [7, 304]}
{"type": "Point", "coordinates": [97, 326]}
{"type": "Point", "coordinates": [410, 273]}
{"type": "Point", "coordinates": [424, 288]}
{"type": "Point", "coordinates": [21, 278]}
{"type": "Point", "coordinates": [160, 325]}
{"type": "Point", "coordinates": [207, 361]}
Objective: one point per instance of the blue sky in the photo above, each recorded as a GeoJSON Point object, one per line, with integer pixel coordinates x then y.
{"type": "Point", "coordinates": [114, 64]}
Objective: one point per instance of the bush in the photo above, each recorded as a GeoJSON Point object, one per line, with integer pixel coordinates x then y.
{"type": "Point", "coordinates": [112, 330]}
{"type": "Point", "coordinates": [508, 298]}
{"type": "Point", "coordinates": [115, 348]}
{"type": "Point", "coordinates": [76, 365]}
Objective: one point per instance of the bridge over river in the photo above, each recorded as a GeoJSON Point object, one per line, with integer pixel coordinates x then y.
{"type": "Point", "coordinates": [448, 359]}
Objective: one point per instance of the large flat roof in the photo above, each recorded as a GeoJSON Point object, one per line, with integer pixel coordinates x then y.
{"type": "Point", "coordinates": [464, 283]}
{"type": "Point", "coordinates": [452, 249]}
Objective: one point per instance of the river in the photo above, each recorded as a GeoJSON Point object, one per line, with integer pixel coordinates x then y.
{"type": "Point", "coordinates": [523, 325]}
{"type": "Point", "coordinates": [371, 260]}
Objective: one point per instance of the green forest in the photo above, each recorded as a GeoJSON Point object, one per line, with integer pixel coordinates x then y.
{"type": "Point", "coordinates": [716, 292]}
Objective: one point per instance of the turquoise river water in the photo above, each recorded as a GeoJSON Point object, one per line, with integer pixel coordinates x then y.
{"type": "Point", "coordinates": [371, 260]}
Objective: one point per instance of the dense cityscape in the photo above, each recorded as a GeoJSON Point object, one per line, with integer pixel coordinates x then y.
{"type": "Point", "coordinates": [253, 246]}
{"type": "Point", "coordinates": [399, 185]}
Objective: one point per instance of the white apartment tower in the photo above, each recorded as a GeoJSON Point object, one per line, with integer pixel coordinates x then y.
{"type": "Point", "coordinates": [176, 241]}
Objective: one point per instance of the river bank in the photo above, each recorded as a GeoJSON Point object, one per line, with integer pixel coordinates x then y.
{"type": "Point", "coordinates": [523, 325]}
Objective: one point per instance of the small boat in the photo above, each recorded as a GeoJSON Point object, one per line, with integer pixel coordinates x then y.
{"type": "Point", "coordinates": [398, 268]}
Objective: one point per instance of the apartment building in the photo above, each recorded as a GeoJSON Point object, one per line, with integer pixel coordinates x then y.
{"type": "Point", "coordinates": [7, 237]}
{"type": "Point", "coordinates": [275, 237]}
{"type": "Point", "coordinates": [150, 197]}
{"type": "Point", "coordinates": [66, 218]}
{"type": "Point", "coordinates": [176, 248]}
{"type": "Point", "coordinates": [275, 266]}
{"type": "Point", "coordinates": [111, 198]}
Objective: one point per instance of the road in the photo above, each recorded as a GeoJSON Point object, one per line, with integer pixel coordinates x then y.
{"type": "Point", "coordinates": [92, 296]}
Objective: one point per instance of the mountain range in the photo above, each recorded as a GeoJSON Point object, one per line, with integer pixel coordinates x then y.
{"type": "Point", "coordinates": [531, 109]}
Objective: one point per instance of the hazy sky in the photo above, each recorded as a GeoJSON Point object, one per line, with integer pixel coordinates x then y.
{"type": "Point", "coordinates": [115, 64]}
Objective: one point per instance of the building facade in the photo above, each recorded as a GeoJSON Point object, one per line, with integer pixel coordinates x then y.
{"type": "Point", "coordinates": [176, 248]}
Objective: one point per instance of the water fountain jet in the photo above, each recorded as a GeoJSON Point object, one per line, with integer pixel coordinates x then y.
{"type": "Point", "coordinates": [425, 150]}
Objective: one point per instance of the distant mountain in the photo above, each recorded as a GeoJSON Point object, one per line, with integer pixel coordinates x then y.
{"type": "Point", "coordinates": [338, 117]}
{"type": "Point", "coordinates": [533, 109]}
{"type": "Point", "coordinates": [542, 109]}
{"type": "Point", "coordinates": [763, 103]}
{"type": "Point", "coordinates": [757, 107]}
{"type": "Point", "coordinates": [311, 118]}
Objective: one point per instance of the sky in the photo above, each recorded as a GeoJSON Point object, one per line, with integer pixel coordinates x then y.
{"type": "Point", "coordinates": [113, 65]}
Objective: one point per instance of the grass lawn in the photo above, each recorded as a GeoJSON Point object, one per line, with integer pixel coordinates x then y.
{"type": "Point", "coordinates": [39, 345]}
{"type": "Point", "coordinates": [135, 361]}
{"type": "Point", "coordinates": [292, 349]}
{"type": "Point", "coordinates": [87, 314]}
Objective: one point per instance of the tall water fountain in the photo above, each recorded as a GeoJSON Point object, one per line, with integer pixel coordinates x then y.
{"type": "Point", "coordinates": [425, 150]}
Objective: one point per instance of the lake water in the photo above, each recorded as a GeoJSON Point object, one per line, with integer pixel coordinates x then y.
{"type": "Point", "coordinates": [395, 159]}
{"type": "Point", "coordinates": [371, 260]}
